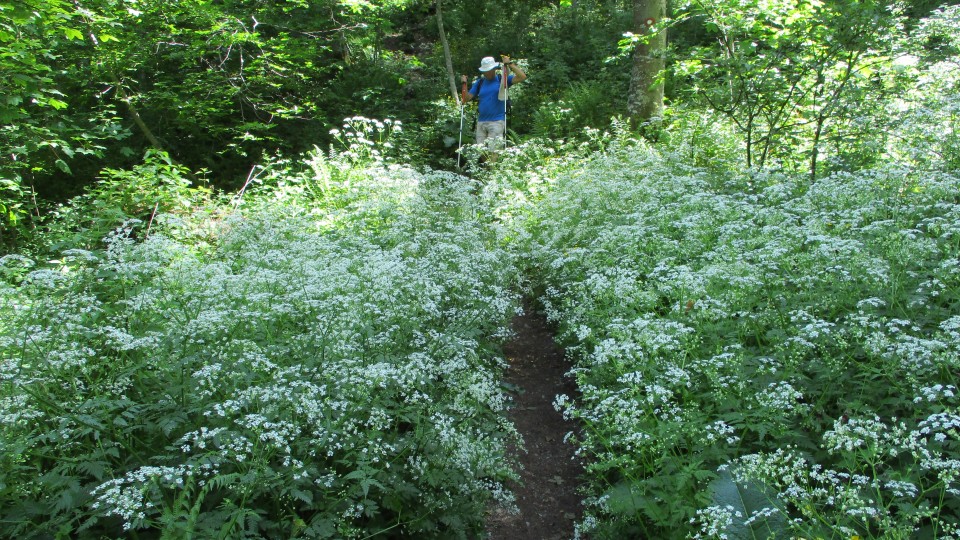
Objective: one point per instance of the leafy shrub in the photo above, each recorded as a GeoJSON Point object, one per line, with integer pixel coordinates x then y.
{"type": "Point", "coordinates": [794, 344]}
{"type": "Point", "coordinates": [440, 134]}
{"type": "Point", "coordinates": [925, 125]}
{"type": "Point", "coordinates": [701, 138]}
{"type": "Point", "coordinates": [13, 204]}
{"type": "Point", "coordinates": [321, 370]}
{"type": "Point", "coordinates": [133, 197]}
{"type": "Point", "coordinates": [583, 104]}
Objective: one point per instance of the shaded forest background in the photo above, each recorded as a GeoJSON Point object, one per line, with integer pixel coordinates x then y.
{"type": "Point", "coordinates": [222, 86]}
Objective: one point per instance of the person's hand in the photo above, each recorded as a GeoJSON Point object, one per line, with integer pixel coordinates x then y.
{"type": "Point", "coordinates": [463, 78]}
{"type": "Point", "coordinates": [505, 59]}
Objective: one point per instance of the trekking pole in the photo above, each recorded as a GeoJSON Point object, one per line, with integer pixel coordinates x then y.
{"type": "Point", "coordinates": [506, 99]}
{"type": "Point", "coordinates": [503, 95]}
{"type": "Point", "coordinates": [463, 99]}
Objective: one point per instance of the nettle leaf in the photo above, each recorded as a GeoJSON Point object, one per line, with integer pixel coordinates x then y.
{"type": "Point", "coordinates": [70, 497]}
{"type": "Point", "coordinates": [95, 469]}
{"type": "Point", "coordinates": [367, 483]}
{"type": "Point", "coordinates": [623, 500]}
{"type": "Point", "coordinates": [322, 527]}
{"type": "Point", "coordinates": [628, 499]}
{"type": "Point", "coordinates": [301, 495]}
{"type": "Point", "coordinates": [748, 499]}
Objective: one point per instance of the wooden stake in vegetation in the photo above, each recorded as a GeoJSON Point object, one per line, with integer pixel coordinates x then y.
{"type": "Point", "coordinates": [646, 89]}
{"type": "Point", "coordinates": [446, 53]}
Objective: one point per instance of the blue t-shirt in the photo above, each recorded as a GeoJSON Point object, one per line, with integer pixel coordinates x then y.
{"type": "Point", "coordinates": [491, 108]}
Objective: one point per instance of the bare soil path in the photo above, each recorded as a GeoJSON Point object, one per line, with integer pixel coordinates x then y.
{"type": "Point", "coordinates": [547, 491]}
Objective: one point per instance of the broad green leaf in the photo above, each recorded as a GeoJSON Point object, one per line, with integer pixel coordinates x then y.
{"type": "Point", "coordinates": [72, 33]}
{"type": "Point", "coordinates": [748, 499]}
{"type": "Point", "coordinates": [623, 499]}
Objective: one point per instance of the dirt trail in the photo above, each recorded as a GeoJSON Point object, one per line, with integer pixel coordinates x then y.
{"type": "Point", "coordinates": [547, 491]}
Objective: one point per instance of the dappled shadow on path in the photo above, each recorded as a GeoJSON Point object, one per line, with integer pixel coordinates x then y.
{"type": "Point", "coordinates": [547, 492]}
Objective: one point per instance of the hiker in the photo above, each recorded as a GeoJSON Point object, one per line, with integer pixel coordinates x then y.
{"type": "Point", "coordinates": [490, 92]}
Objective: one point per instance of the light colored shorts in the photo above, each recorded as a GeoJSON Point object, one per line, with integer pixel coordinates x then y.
{"type": "Point", "coordinates": [491, 133]}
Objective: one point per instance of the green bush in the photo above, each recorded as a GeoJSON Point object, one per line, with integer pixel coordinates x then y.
{"type": "Point", "coordinates": [324, 368]}
{"type": "Point", "coordinates": [133, 198]}
{"type": "Point", "coordinates": [793, 345]}
{"type": "Point", "coordinates": [581, 105]}
{"type": "Point", "coordinates": [13, 205]}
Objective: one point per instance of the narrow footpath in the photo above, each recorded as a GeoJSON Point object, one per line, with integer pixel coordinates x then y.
{"type": "Point", "coordinates": [547, 492]}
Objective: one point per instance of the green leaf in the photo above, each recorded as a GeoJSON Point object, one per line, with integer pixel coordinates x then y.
{"type": "Point", "coordinates": [62, 165]}
{"type": "Point", "coordinates": [93, 468]}
{"type": "Point", "coordinates": [367, 483]}
{"type": "Point", "coordinates": [72, 33]}
{"type": "Point", "coordinates": [623, 500]}
{"type": "Point", "coordinates": [323, 527]}
{"type": "Point", "coordinates": [748, 499]}
{"type": "Point", "coordinates": [305, 496]}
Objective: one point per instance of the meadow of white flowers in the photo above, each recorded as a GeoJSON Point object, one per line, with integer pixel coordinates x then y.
{"type": "Point", "coordinates": [758, 357]}
{"type": "Point", "coordinates": [319, 366]}
{"type": "Point", "coordinates": [318, 356]}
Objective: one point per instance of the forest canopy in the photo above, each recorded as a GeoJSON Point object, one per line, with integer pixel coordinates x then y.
{"type": "Point", "coordinates": [222, 86]}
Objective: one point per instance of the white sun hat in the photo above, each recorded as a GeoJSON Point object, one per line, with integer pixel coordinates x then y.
{"type": "Point", "coordinates": [488, 63]}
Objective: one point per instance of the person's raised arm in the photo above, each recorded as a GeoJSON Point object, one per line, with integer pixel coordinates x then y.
{"type": "Point", "coordinates": [518, 74]}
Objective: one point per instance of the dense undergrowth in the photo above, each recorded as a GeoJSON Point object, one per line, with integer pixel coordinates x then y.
{"type": "Point", "coordinates": [758, 357]}
{"type": "Point", "coordinates": [317, 359]}
{"type": "Point", "coordinates": [317, 356]}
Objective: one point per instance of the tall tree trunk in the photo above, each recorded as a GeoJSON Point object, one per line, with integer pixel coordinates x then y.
{"type": "Point", "coordinates": [446, 54]}
{"type": "Point", "coordinates": [135, 114]}
{"type": "Point", "coordinates": [646, 92]}
{"type": "Point", "coordinates": [826, 112]}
